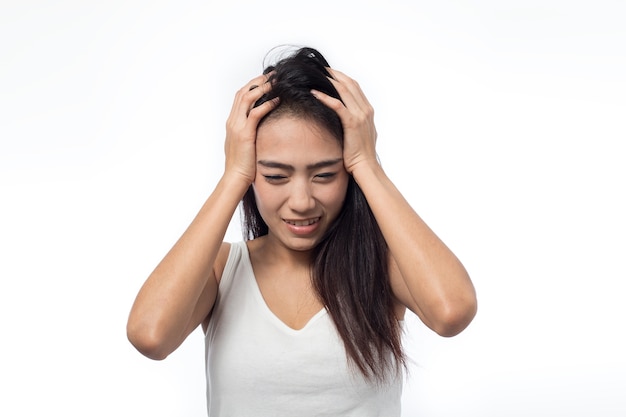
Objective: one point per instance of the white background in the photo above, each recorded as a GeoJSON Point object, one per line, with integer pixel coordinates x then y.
{"type": "Point", "coordinates": [502, 122]}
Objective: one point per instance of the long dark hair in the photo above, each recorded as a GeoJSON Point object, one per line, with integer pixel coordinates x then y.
{"type": "Point", "coordinates": [350, 264]}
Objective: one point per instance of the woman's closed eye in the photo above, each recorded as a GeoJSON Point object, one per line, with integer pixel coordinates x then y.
{"type": "Point", "coordinates": [325, 176]}
{"type": "Point", "coordinates": [274, 178]}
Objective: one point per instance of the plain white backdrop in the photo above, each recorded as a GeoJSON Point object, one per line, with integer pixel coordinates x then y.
{"type": "Point", "coordinates": [503, 123]}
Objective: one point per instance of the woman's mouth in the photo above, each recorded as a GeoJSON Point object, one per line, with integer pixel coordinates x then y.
{"type": "Point", "coordinates": [302, 227]}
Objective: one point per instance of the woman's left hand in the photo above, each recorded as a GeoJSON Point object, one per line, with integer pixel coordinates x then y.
{"type": "Point", "coordinates": [357, 119]}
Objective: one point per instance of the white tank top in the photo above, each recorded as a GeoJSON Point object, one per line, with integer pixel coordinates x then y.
{"type": "Point", "coordinates": [257, 366]}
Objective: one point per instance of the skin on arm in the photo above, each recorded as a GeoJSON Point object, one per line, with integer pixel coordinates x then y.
{"type": "Point", "coordinates": [426, 276]}
{"type": "Point", "coordinates": [179, 294]}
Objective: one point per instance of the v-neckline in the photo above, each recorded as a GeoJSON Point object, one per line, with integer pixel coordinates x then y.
{"type": "Point", "coordinates": [259, 296]}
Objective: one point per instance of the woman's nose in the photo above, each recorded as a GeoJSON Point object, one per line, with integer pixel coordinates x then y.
{"type": "Point", "coordinates": [301, 199]}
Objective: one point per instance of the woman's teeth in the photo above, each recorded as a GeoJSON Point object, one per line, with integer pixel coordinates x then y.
{"type": "Point", "coordinates": [302, 222]}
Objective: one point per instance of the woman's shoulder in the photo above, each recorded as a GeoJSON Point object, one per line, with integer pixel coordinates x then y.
{"type": "Point", "coordinates": [230, 255]}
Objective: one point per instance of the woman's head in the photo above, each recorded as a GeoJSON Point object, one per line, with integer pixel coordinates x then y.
{"type": "Point", "coordinates": [292, 78]}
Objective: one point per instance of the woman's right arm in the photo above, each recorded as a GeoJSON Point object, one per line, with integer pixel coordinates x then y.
{"type": "Point", "coordinates": [179, 294]}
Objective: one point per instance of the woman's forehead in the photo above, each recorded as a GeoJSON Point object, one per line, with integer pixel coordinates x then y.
{"type": "Point", "coordinates": [290, 136]}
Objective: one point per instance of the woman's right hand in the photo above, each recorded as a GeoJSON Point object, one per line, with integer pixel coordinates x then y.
{"type": "Point", "coordinates": [241, 127]}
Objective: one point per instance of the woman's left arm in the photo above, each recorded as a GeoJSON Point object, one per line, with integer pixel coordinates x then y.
{"type": "Point", "coordinates": [425, 275]}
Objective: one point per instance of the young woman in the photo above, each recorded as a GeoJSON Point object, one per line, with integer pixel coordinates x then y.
{"type": "Point", "coordinates": [304, 317]}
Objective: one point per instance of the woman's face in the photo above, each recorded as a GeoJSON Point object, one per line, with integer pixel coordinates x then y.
{"type": "Point", "coordinates": [300, 183]}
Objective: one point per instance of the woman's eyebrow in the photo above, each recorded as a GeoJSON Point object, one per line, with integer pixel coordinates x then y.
{"type": "Point", "coordinates": [287, 167]}
{"type": "Point", "coordinates": [324, 164]}
{"type": "Point", "coordinates": [272, 164]}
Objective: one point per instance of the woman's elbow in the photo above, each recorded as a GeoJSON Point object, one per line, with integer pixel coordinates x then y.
{"type": "Point", "coordinates": [147, 342]}
{"type": "Point", "coordinates": [455, 317]}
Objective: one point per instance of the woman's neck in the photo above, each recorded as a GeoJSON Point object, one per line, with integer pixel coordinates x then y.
{"type": "Point", "coordinates": [272, 251]}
